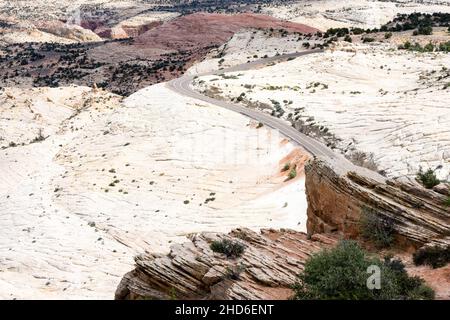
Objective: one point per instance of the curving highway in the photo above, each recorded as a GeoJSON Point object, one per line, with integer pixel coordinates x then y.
{"type": "Point", "coordinates": [182, 85]}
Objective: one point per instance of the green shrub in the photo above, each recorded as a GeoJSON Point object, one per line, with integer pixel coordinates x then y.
{"type": "Point", "coordinates": [407, 45]}
{"type": "Point", "coordinates": [292, 173]}
{"type": "Point", "coordinates": [286, 167]}
{"type": "Point", "coordinates": [447, 202]}
{"type": "Point", "coordinates": [429, 47]}
{"type": "Point", "coordinates": [444, 46]}
{"type": "Point", "coordinates": [338, 32]}
{"type": "Point", "coordinates": [388, 35]}
{"type": "Point", "coordinates": [428, 178]}
{"type": "Point", "coordinates": [421, 292]}
{"type": "Point", "coordinates": [341, 273]}
{"type": "Point", "coordinates": [368, 39]}
{"type": "Point", "coordinates": [425, 30]}
{"type": "Point", "coordinates": [357, 31]}
{"type": "Point", "coordinates": [232, 249]}
{"type": "Point", "coordinates": [234, 272]}
{"type": "Point", "coordinates": [376, 228]}
{"type": "Point", "coordinates": [435, 256]}
{"type": "Point", "coordinates": [173, 294]}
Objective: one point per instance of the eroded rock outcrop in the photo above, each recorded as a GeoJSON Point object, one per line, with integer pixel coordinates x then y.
{"type": "Point", "coordinates": [337, 193]}
{"type": "Point", "coordinates": [266, 270]}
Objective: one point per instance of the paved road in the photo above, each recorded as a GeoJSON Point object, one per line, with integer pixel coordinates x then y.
{"type": "Point", "coordinates": [182, 86]}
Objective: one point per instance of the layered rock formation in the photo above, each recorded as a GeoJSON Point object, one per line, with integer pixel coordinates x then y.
{"type": "Point", "coordinates": [337, 192]}
{"type": "Point", "coordinates": [266, 270]}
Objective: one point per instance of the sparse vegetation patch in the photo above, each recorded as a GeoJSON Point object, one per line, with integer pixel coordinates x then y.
{"type": "Point", "coordinates": [377, 228]}
{"type": "Point", "coordinates": [428, 178]}
{"type": "Point", "coordinates": [341, 273]}
{"type": "Point", "coordinates": [232, 249]}
{"type": "Point", "coordinates": [434, 256]}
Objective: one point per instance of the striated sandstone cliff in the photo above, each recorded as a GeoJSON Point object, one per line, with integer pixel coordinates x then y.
{"type": "Point", "coordinates": [266, 270]}
{"type": "Point", "coordinates": [337, 192]}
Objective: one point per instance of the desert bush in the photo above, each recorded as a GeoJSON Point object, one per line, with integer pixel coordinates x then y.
{"type": "Point", "coordinates": [232, 249]}
{"type": "Point", "coordinates": [368, 39]}
{"type": "Point", "coordinates": [429, 47]}
{"type": "Point", "coordinates": [292, 173]}
{"type": "Point", "coordinates": [348, 38]}
{"type": "Point", "coordinates": [444, 46]}
{"type": "Point", "coordinates": [357, 31]}
{"type": "Point", "coordinates": [435, 256]}
{"type": "Point", "coordinates": [234, 272]}
{"type": "Point", "coordinates": [376, 228]}
{"type": "Point", "coordinates": [388, 35]}
{"type": "Point", "coordinates": [286, 167]}
{"type": "Point", "coordinates": [338, 32]}
{"type": "Point", "coordinates": [341, 273]}
{"type": "Point", "coordinates": [406, 45]}
{"type": "Point", "coordinates": [428, 178]}
{"type": "Point", "coordinates": [447, 202]}
{"type": "Point", "coordinates": [425, 30]}
{"type": "Point", "coordinates": [362, 159]}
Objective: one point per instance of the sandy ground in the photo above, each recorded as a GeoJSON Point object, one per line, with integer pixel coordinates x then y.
{"type": "Point", "coordinates": [112, 179]}
{"type": "Point", "coordinates": [374, 99]}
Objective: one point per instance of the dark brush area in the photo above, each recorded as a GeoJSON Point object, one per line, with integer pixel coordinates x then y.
{"type": "Point", "coordinates": [54, 65]}
{"type": "Point", "coordinates": [214, 6]}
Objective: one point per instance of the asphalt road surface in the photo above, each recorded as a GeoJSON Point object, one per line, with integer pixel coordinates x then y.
{"type": "Point", "coordinates": [182, 85]}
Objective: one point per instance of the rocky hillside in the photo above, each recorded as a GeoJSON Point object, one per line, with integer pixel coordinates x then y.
{"type": "Point", "coordinates": [337, 195]}
{"type": "Point", "coordinates": [266, 270]}
{"type": "Point", "coordinates": [158, 52]}
{"type": "Point", "coordinates": [337, 192]}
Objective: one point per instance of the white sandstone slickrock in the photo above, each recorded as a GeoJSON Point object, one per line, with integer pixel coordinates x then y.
{"type": "Point", "coordinates": [111, 179]}
{"type": "Point", "coordinates": [376, 99]}
{"type": "Point", "coordinates": [325, 14]}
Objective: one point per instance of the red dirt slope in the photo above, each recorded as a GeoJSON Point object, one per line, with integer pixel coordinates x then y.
{"type": "Point", "coordinates": [204, 29]}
